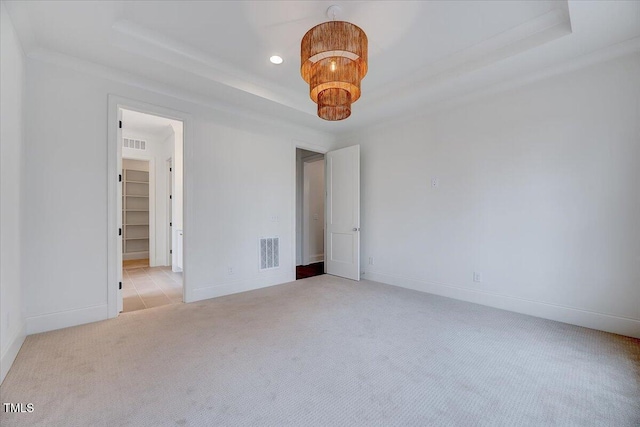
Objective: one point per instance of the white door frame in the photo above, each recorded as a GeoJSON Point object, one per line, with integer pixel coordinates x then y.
{"type": "Point", "coordinates": [294, 196]}
{"type": "Point", "coordinates": [114, 152]}
{"type": "Point", "coordinates": [169, 185]}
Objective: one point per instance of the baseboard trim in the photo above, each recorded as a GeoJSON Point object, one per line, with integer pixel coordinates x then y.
{"type": "Point", "coordinates": [238, 286]}
{"type": "Point", "coordinates": [316, 258]}
{"type": "Point", "coordinates": [575, 316]}
{"type": "Point", "coordinates": [65, 319]}
{"type": "Point", "coordinates": [10, 354]}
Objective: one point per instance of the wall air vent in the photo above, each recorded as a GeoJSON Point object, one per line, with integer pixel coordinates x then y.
{"type": "Point", "coordinates": [136, 144]}
{"type": "Point", "coordinates": [269, 253]}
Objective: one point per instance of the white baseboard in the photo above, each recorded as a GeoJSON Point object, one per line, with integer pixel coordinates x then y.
{"type": "Point", "coordinates": [65, 319]}
{"type": "Point", "coordinates": [575, 316]}
{"type": "Point", "coordinates": [11, 352]}
{"type": "Point", "coordinates": [240, 286]}
{"type": "Point", "coordinates": [316, 258]}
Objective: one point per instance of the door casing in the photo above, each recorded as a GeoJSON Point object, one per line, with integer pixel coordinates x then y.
{"type": "Point", "coordinates": [114, 168]}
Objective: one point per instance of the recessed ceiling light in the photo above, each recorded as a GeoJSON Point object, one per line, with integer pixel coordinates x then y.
{"type": "Point", "coordinates": [275, 59]}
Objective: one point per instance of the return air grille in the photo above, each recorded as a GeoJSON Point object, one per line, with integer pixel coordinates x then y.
{"type": "Point", "coordinates": [136, 144]}
{"type": "Point", "coordinates": [269, 253]}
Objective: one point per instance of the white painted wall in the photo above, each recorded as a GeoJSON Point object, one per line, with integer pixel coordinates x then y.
{"type": "Point", "coordinates": [313, 214]}
{"type": "Point", "coordinates": [12, 84]}
{"type": "Point", "coordinates": [538, 190]}
{"type": "Point", "coordinates": [239, 173]}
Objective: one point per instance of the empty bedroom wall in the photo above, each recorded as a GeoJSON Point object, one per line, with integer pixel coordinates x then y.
{"type": "Point", "coordinates": [239, 172]}
{"type": "Point", "coordinates": [537, 190]}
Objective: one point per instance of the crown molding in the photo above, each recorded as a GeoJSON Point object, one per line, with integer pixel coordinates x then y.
{"type": "Point", "coordinates": [226, 110]}
{"type": "Point", "coordinates": [140, 41]}
{"type": "Point", "coordinates": [22, 26]}
{"type": "Point", "coordinates": [609, 53]}
{"type": "Point", "coordinates": [528, 35]}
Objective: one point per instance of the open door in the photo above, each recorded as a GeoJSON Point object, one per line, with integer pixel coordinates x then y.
{"type": "Point", "coordinates": [342, 242]}
{"type": "Point", "coordinates": [119, 211]}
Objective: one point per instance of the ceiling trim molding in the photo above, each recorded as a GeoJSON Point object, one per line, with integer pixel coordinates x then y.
{"type": "Point", "coordinates": [604, 54]}
{"type": "Point", "coordinates": [140, 41]}
{"type": "Point", "coordinates": [625, 48]}
{"type": "Point", "coordinates": [528, 35]}
{"type": "Point", "coordinates": [147, 84]}
{"type": "Point", "coordinates": [22, 26]}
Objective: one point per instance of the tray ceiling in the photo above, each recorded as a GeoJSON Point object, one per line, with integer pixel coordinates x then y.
{"type": "Point", "coordinates": [422, 54]}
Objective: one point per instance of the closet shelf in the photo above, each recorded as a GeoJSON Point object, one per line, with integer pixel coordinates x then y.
{"type": "Point", "coordinates": [135, 212]}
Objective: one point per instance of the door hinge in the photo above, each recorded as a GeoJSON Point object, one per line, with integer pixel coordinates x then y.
{"type": "Point", "coordinates": [170, 169]}
{"type": "Point", "coordinates": [170, 251]}
{"type": "Point", "coordinates": [169, 196]}
{"type": "Point", "coordinates": [120, 124]}
{"type": "Point", "coordinates": [119, 231]}
{"type": "Point", "coordinates": [170, 224]}
{"type": "Point", "coordinates": [119, 285]}
{"type": "Point", "coordinates": [119, 177]}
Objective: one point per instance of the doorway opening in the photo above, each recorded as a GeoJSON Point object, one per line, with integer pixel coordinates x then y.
{"type": "Point", "coordinates": [310, 212]}
{"type": "Point", "coordinates": [151, 210]}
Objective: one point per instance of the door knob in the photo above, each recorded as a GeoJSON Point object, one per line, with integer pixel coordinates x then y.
{"type": "Point", "coordinates": [356, 228]}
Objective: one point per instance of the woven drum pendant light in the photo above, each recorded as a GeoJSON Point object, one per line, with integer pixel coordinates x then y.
{"type": "Point", "coordinates": [334, 61]}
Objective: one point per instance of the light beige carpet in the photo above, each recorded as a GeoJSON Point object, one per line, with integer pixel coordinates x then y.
{"type": "Point", "coordinates": [326, 351]}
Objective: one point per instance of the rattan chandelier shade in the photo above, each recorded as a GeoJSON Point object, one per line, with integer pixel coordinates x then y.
{"type": "Point", "coordinates": [333, 59]}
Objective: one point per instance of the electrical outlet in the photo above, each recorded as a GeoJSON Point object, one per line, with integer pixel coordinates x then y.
{"type": "Point", "coordinates": [435, 182]}
{"type": "Point", "coordinates": [275, 218]}
{"type": "Point", "coordinates": [477, 276]}
{"type": "Point", "coordinates": [230, 270]}
{"type": "Point", "coordinates": [371, 260]}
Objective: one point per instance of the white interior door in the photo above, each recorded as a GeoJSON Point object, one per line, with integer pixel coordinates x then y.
{"type": "Point", "coordinates": [343, 212]}
{"type": "Point", "coordinates": [119, 210]}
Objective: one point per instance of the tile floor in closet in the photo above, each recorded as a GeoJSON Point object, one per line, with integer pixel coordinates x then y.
{"type": "Point", "coordinates": [147, 287]}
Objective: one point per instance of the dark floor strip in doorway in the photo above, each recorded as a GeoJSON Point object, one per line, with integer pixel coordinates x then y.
{"type": "Point", "coordinates": [304, 271]}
